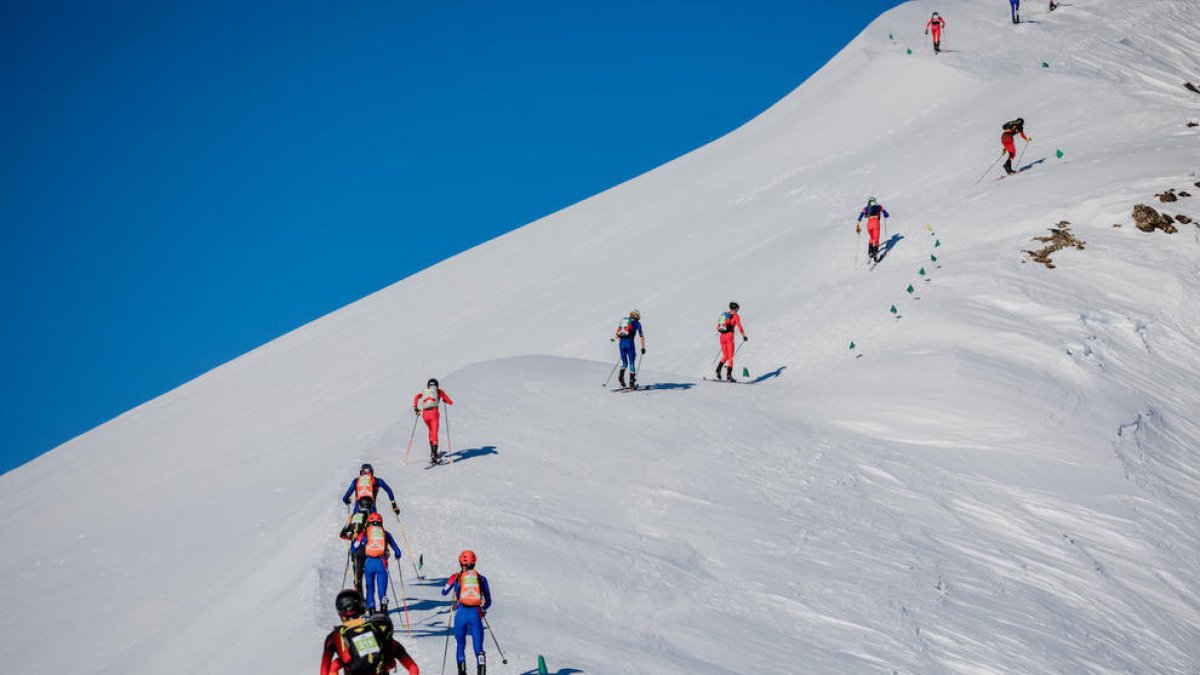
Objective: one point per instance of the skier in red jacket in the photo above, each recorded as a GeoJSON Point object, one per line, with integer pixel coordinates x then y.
{"type": "Point", "coordinates": [426, 405]}
{"type": "Point", "coordinates": [726, 325]}
{"type": "Point", "coordinates": [936, 24]}
{"type": "Point", "coordinates": [1016, 126]}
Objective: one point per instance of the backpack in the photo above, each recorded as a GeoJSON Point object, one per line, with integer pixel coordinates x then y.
{"type": "Point", "coordinates": [625, 328]}
{"type": "Point", "coordinates": [470, 594]}
{"type": "Point", "coordinates": [361, 648]}
{"type": "Point", "coordinates": [723, 323]}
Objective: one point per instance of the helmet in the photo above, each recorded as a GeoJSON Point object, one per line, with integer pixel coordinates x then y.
{"type": "Point", "coordinates": [432, 382]}
{"type": "Point", "coordinates": [467, 558]}
{"type": "Point", "coordinates": [365, 502]}
{"type": "Point", "coordinates": [349, 603]}
{"type": "Point", "coordinates": [935, 13]}
{"type": "Point", "coordinates": [1020, 121]}
{"type": "Point", "coordinates": [634, 314]}
{"type": "Point", "coordinates": [375, 519]}
{"type": "Point", "coordinates": [734, 306]}
{"type": "Point", "coordinates": [871, 200]}
{"type": "Point", "coordinates": [366, 468]}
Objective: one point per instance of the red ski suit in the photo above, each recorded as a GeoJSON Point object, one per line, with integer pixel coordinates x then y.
{"type": "Point", "coordinates": [427, 403]}
{"type": "Point", "coordinates": [935, 26]}
{"type": "Point", "coordinates": [727, 348]}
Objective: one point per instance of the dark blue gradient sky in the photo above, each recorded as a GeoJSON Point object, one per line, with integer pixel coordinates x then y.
{"type": "Point", "coordinates": [183, 181]}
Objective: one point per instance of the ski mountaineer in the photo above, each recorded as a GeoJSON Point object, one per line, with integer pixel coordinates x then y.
{"type": "Point", "coordinates": [360, 644]}
{"type": "Point", "coordinates": [872, 211]}
{"type": "Point", "coordinates": [936, 24]}
{"type": "Point", "coordinates": [472, 599]}
{"type": "Point", "coordinates": [629, 328]}
{"type": "Point", "coordinates": [354, 527]}
{"type": "Point", "coordinates": [1016, 126]}
{"type": "Point", "coordinates": [1015, 5]}
{"type": "Point", "coordinates": [726, 325]}
{"type": "Point", "coordinates": [374, 542]}
{"type": "Point", "coordinates": [426, 404]}
{"type": "Point", "coordinates": [365, 490]}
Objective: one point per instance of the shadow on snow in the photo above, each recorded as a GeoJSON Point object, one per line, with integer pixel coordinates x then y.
{"type": "Point", "coordinates": [469, 453]}
{"type": "Point", "coordinates": [778, 371]}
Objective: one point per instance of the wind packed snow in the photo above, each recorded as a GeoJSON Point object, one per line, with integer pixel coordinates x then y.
{"type": "Point", "coordinates": [1000, 477]}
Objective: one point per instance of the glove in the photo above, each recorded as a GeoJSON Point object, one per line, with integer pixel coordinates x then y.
{"type": "Point", "coordinates": [416, 411]}
{"type": "Point", "coordinates": [858, 229]}
{"type": "Point", "coordinates": [744, 338]}
{"type": "Point", "coordinates": [643, 350]}
{"type": "Point", "coordinates": [927, 32]}
{"type": "Point", "coordinates": [395, 509]}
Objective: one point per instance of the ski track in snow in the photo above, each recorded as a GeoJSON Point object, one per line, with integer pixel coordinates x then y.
{"type": "Point", "coordinates": [999, 478]}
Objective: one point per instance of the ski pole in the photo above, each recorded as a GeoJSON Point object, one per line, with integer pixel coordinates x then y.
{"type": "Point", "coordinates": [347, 570]}
{"type": "Point", "coordinates": [404, 537]}
{"type": "Point", "coordinates": [403, 592]}
{"type": "Point", "coordinates": [449, 443]}
{"type": "Point", "coordinates": [404, 602]}
{"type": "Point", "coordinates": [410, 441]}
{"type": "Point", "coordinates": [989, 169]}
{"type": "Point", "coordinates": [494, 640]}
{"type": "Point", "coordinates": [1022, 155]}
{"type": "Point", "coordinates": [857, 244]}
{"type": "Point", "coordinates": [449, 630]}
{"type": "Point", "coordinates": [610, 373]}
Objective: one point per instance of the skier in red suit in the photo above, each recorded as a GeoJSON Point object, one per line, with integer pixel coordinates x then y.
{"type": "Point", "coordinates": [426, 405]}
{"type": "Point", "coordinates": [726, 325]}
{"type": "Point", "coordinates": [936, 24]}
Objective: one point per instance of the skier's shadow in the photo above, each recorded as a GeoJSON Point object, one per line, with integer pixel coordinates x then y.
{"type": "Point", "coordinates": [889, 245]}
{"type": "Point", "coordinates": [768, 376]}
{"type": "Point", "coordinates": [560, 671]}
{"type": "Point", "coordinates": [460, 455]}
{"type": "Point", "coordinates": [423, 605]}
{"type": "Point", "coordinates": [668, 386]}
{"type": "Point", "coordinates": [1032, 164]}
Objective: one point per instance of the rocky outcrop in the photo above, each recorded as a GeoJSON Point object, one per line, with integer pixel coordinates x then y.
{"type": "Point", "coordinates": [1148, 220]}
{"type": "Point", "coordinates": [1060, 238]}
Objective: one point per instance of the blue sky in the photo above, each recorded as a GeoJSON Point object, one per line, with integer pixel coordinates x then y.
{"type": "Point", "coordinates": [183, 181]}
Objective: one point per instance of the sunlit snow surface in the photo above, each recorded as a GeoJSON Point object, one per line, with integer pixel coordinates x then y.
{"type": "Point", "coordinates": [1003, 479]}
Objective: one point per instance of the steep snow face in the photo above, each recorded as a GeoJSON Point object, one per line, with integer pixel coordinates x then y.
{"type": "Point", "coordinates": [999, 477]}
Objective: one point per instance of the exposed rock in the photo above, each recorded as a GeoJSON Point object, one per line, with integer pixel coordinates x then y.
{"type": "Point", "coordinates": [1191, 87]}
{"type": "Point", "coordinates": [1148, 220]}
{"type": "Point", "coordinates": [1193, 124]}
{"type": "Point", "coordinates": [1060, 238]}
{"type": "Point", "coordinates": [1183, 193]}
{"type": "Point", "coordinates": [1183, 219]}
{"type": "Point", "coordinates": [1116, 225]}
{"type": "Point", "coordinates": [1168, 196]}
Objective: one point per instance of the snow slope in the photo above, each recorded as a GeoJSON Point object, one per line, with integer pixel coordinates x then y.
{"type": "Point", "coordinates": [1002, 479]}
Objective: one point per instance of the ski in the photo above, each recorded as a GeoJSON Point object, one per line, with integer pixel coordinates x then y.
{"type": "Point", "coordinates": [617, 389]}
{"type": "Point", "coordinates": [710, 379]}
{"type": "Point", "coordinates": [441, 459]}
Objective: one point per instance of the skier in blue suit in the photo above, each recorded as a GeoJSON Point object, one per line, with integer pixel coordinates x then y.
{"type": "Point", "coordinates": [1016, 10]}
{"type": "Point", "coordinates": [472, 597]}
{"type": "Point", "coordinates": [368, 486]}
{"type": "Point", "coordinates": [374, 541]}
{"type": "Point", "coordinates": [629, 328]}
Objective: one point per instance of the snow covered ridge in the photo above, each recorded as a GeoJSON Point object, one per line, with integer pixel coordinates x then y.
{"type": "Point", "coordinates": [1001, 477]}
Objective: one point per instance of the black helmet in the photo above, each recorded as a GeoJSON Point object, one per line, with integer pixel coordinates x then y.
{"type": "Point", "coordinates": [1020, 121]}
{"type": "Point", "coordinates": [366, 468]}
{"type": "Point", "coordinates": [432, 382]}
{"type": "Point", "coordinates": [734, 306]}
{"type": "Point", "coordinates": [350, 603]}
{"type": "Point", "coordinates": [365, 502]}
